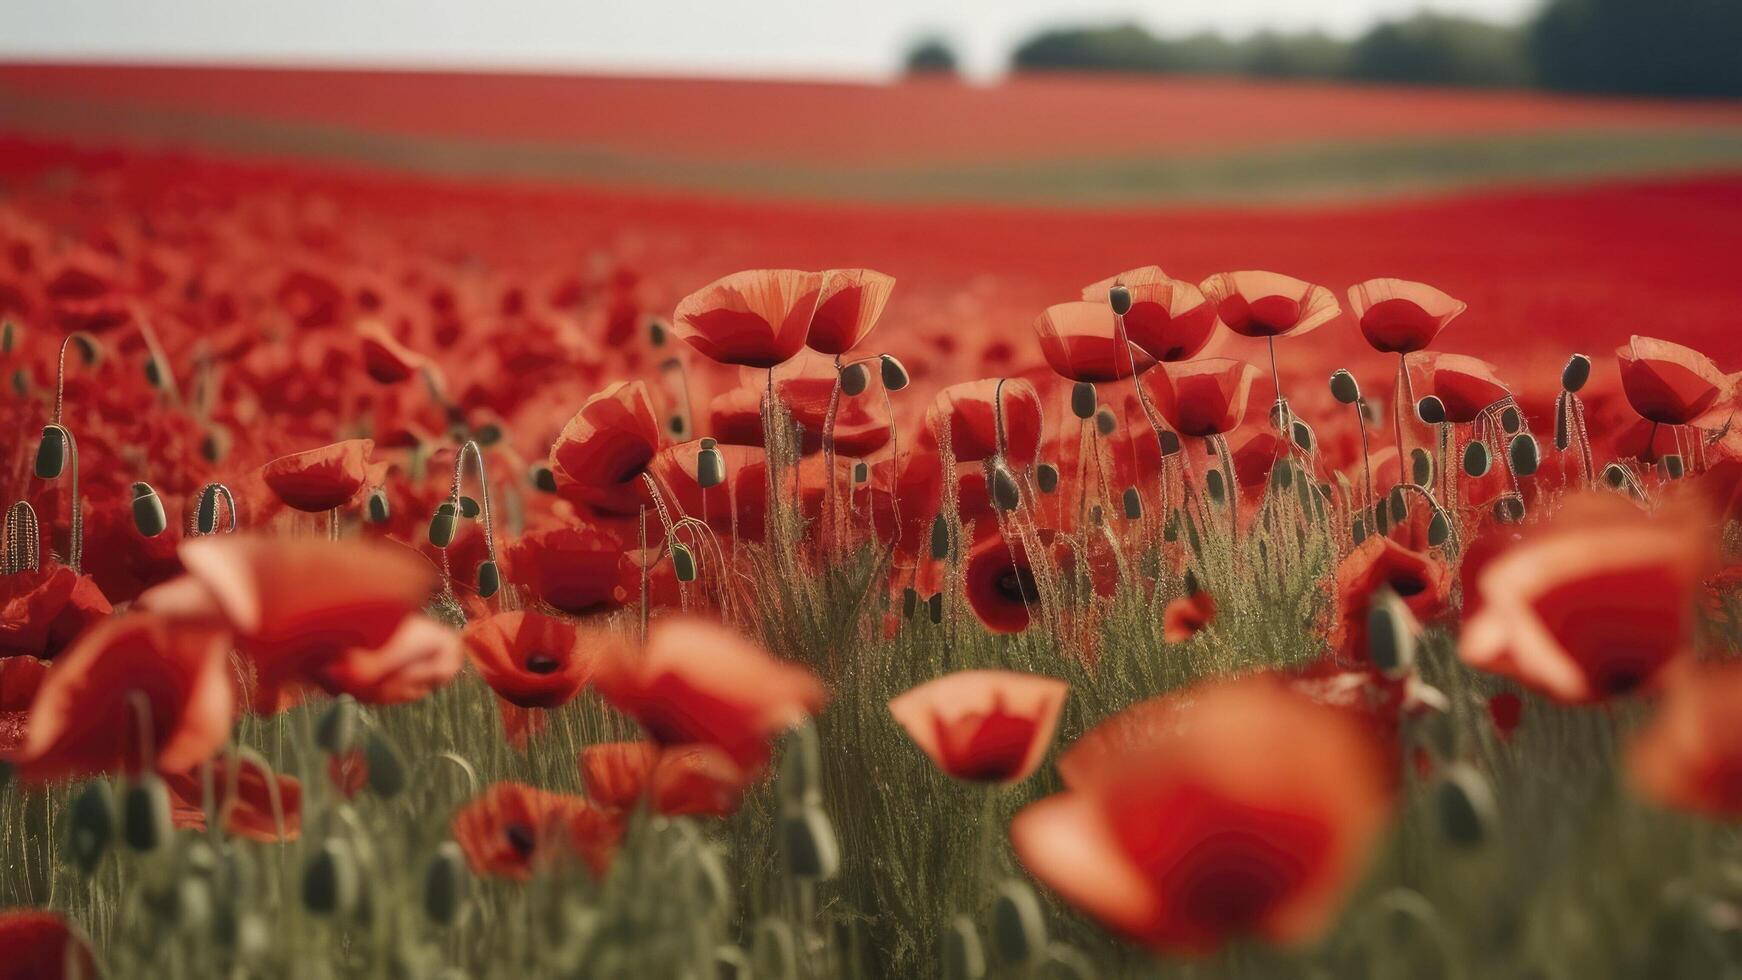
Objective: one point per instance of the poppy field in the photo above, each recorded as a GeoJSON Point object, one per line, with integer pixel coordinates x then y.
{"type": "Point", "coordinates": [422, 577]}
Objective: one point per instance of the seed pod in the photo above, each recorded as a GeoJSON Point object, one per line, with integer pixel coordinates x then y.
{"type": "Point", "coordinates": [1169, 442]}
{"type": "Point", "coordinates": [91, 825]}
{"type": "Point", "coordinates": [1006, 495]}
{"type": "Point", "coordinates": [441, 526]}
{"type": "Point", "coordinates": [855, 378]}
{"type": "Point", "coordinates": [1343, 387]}
{"type": "Point", "coordinates": [1576, 373]}
{"type": "Point", "coordinates": [51, 453]}
{"type": "Point", "coordinates": [1213, 485]}
{"type": "Point", "coordinates": [960, 953]}
{"type": "Point", "coordinates": [1303, 435]}
{"type": "Point", "coordinates": [1464, 802]}
{"type": "Point", "coordinates": [145, 824]}
{"type": "Point", "coordinates": [444, 884]}
{"type": "Point", "coordinates": [773, 951]}
{"type": "Point", "coordinates": [1510, 420]}
{"type": "Point", "coordinates": [934, 607]}
{"type": "Point", "coordinates": [543, 478]}
{"type": "Point", "coordinates": [1431, 410]}
{"type": "Point", "coordinates": [1046, 476]}
{"type": "Point", "coordinates": [1421, 466]}
{"type": "Point", "coordinates": [1439, 528]}
{"type": "Point", "coordinates": [1399, 503]}
{"type": "Point", "coordinates": [1522, 453]}
{"type": "Point", "coordinates": [1119, 298]}
{"type": "Point", "coordinates": [386, 769]}
{"type": "Point", "coordinates": [1018, 927]}
{"type": "Point", "coordinates": [148, 511]}
{"type": "Point", "coordinates": [1083, 400]}
{"type": "Point", "coordinates": [940, 538]}
{"type": "Point", "coordinates": [336, 729]}
{"type": "Point", "coordinates": [1509, 510]}
{"type": "Point", "coordinates": [1390, 635]}
{"type": "Point", "coordinates": [489, 578]}
{"type": "Point", "coordinates": [894, 374]}
{"type": "Point", "coordinates": [1133, 504]}
{"type": "Point", "coordinates": [710, 468]}
{"type": "Point", "coordinates": [909, 602]}
{"type": "Point", "coordinates": [469, 508]}
{"type": "Point", "coordinates": [683, 562]}
{"type": "Point", "coordinates": [329, 879]}
{"type": "Point", "coordinates": [1476, 459]}
{"type": "Point", "coordinates": [801, 767]}
{"type": "Point", "coordinates": [809, 846]}
{"type": "Point", "coordinates": [1105, 423]}
{"type": "Point", "coordinates": [1615, 475]}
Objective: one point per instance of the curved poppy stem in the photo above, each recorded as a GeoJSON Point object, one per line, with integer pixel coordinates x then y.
{"type": "Point", "coordinates": [470, 447]}
{"type": "Point", "coordinates": [154, 350]}
{"type": "Point", "coordinates": [23, 547]}
{"type": "Point", "coordinates": [76, 514]}
{"type": "Point", "coordinates": [87, 343]}
{"type": "Point", "coordinates": [1366, 462]}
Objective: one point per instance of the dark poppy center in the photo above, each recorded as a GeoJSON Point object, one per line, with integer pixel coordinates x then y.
{"type": "Point", "coordinates": [520, 838]}
{"type": "Point", "coordinates": [1017, 584]}
{"type": "Point", "coordinates": [1408, 585]}
{"type": "Point", "coordinates": [542, 663]}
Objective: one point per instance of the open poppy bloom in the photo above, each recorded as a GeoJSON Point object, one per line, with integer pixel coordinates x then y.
{"type": "Point", "coordinates": [1000, 584]}
{"type": "Point", "coordinates": [700, 682]}
{"type": "Point", "coordinates": [1689, 757]}
{"type": "Point", "coordinates": [1596, 603]}
{"type": "Point", "coordinates": [420, 656]}
{"type": "Point", "coordinates": [1081, 342]}
{"type": "Point", "coordinates": [513, 830]}
{"type": "Point", "coordinates": [1204, 397]}
{"type": "Point", "coordinates": [576, 568]}
{"type": "Point", "coordinates": [384, 358]}
{"type": "Point", "coordinates": [1269, 304]}
{"type": "Point", "coordinates": [1398, 316]}
{"type": "Point", "coordinates": [1466, 386]}
{"type": "Point", "coordinates": [1239, 808]}
{"type": "Point", "coordinates": [319, 480]}
{"type": "Point", "coordinates": [533, 660]}
{"type": "Point", "coordinates": [249, 800]}
{"type": "Point", "coordinates": [758, 318]}
{"type": "Point", "coordinates": [1187, 616]}
{"type": "Point", "coordinates": [86, 717]}
{"type": "Point", "coordinates": [1169, 319]}
{"type": "Point", "coordinates": [988, 419]}
{"type": "Point", "coordinates": [1670, 384]}
{"type": "Point", "coordinates": [36, 944]}
{"type": "Point", "coordinates": [602, 452]}
{"type": "Point", "coordinates": [42, 611]}
{"type": "Point", "coordinates": [848, 305]}
{"type": "Point", "coordinates": [1418, 578]}
{"type": "Point", "coordinates": [983, 725]}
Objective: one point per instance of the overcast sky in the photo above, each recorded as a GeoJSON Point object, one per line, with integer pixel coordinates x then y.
{"type": "Point", "coordinates": [830, 38]}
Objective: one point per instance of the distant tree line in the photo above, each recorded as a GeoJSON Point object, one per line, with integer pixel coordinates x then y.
{"type": "Point", "coordinates": [1646, 47]}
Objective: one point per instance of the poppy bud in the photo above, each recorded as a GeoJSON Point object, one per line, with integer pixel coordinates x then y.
{"type": "Point", "coordinates": [710, 468]}
{"type": "Point", "coordinates": [1523, 454]}
{"type": "Point", "coordinates": [543, 478]}
{"type": "Point", "coordinates": [1191, 583]}
{"type": "Point", "coordinates": [215, 445]}
{"type": "Point", "coordinates": [683, 563]}
{"type": "Point", "coordinates": [1439, 528]}
{"type": "Point", "coordinates": [1018, 927]}
{"type": "Point", "coordinates": [1119, 298]}
{"type": "Point", "coordinates": [1192, 535]}
{"type": "Point", "coordinates": [861, 473]}
{"type": "Point", "coordinates": [1465, 805]}
{"type": "Point", "coordinates": [1562, 424]}
{"type": "Point", "coordinates": [441, 526]}
{"type": "Point", "coordinates": [934, 607]}
{"type": "Point", "coordinates": [154, 372]}
{"type": "Point", "coordinates": [1303, 435]}
{"type": "Point", "coordinates": [1344, 388]}
{"type": "Point", "coordinates": [1431, 410]}
{"type": "Point", "coordinates": [1095, 515]}
{"type": "Point", "coordinates": [1105, 423]}
{"type": "Point", "coordinates": [91, 825]}
{"type": "Point", "coordinates": [1576, 373]}
{"type": "Point", "coordinates": [386, 770]}
{"type": "Point", "coordinates": [1509, 510]}
{"type": "Point", "coordinates": [148, 511]}
{"type": "Point", "coordinates": [1169, 442]}
{"type": "Point", "coordinates": [1046, 476]}
{"type": "Point", "coordinates": [444, 884]}
{"type": "Point", "coordinates": [1399, 502]}
{"type": "Point", "coordinates": [8, 337]}
{"type": "Point", "coordinates": [1476, 459]}
{"type": "Point", "coordinates": [1615, 475]}
{"type": "Point", "coordinates": [809, 846]}
{"type": "Point", "coordinates": [1083, 400]}
{"type": "Point", "coordinates": [1005, 494]}
{"type": "Point", "coordinates": [376, 509]}
{"type": "Point", "coordinates": [469, 508]}
{"type": "Point", "coordinates": [1382, 518]}
{"type": "Point", "coordinates": [1673, 467]}
{"type": "Point", "coordinates": [909, 603]}
{"type": "Point", "coordinates": [206, 510]}
{"type": "Point", "coordinates": [656, 332]}
{"type": "Point", "coordinates": [1213, 485]}
{"type": "Point", "coordinates": [21, 382]}
{"type": "Point", "coordinates": [329, 879]}
{"type": "Point", "coordinates": [774, 951]}
{"type": "Point", "coordinates": [1421, 466]}
{"type": "Point", "coordinates": [960, 952]}
{"type": "Point", "coordinates": [1068, 963]}
{"type": "Point", "coordinates": [940, 538]}
{"type": "Point", "coordinates": [894, 374]}
{"type": "Point", "coordinates": [1390, 635]}
{"type": "Point", "coordinates": [1358, 530]}
{"type": "Point", "coordinates": [709, 442]}
{"type": "Point", "coordinates": [854, 380]}
{"type": "Point", "coordinates": [51, 453]}
{"type": "Point", "coordinates": [1510, 420]}
{"type": "Point", "coordinates": [145, 824]}
{"type": "Point", "coordinates": [1133, 504]}
{"type": "Point", "coordinates": [801, 768]}
{"type": "Point", "coordinates": [89, 350]}
{"type": "Point", "coordinates": [336, 730]}
{"type": "Point", "coordinates": [489, 578]}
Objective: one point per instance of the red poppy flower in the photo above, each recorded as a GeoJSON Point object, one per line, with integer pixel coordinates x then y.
{"type": "Point", "coordinates": [699, 682]}
{"type": "Point", "coordinates": [847, 308]}
{"type": "Point", "coordinates": [971, 414]}
{"type": "Point", "coordinates": [421, 655]}
{"type": "Point", "coordinates": [318, 480]}
{"type": "Point", "coordinates": [1668, 383]}
{"type": "Point", "coordinates": [1000, 584]}
{"type": "Point", "coordinates": [252, 813]}
{"type": "Point", "coordinates": [384, 358]}
{"type": "Point", "coordinates": [759, 318]}
{"type": "Point", "coordinates": [519, 724]}
{"type": "Point", "coordinates": [602, 452]}
{"type": "Point", "coordinates": [1399, 316]}
{"type": "Point", "coordinates": [86, 717]}
{"type": "Point", "coordinates": [533, 660]}
{"type": "Point", "coordinates": [688, 780]}
{"type": "Point", "coordinates": [735, 416]}
{"type": "Point", "coordinates": [740, 505]}
{"type": "Point", "coordinates": [1187, 616]}
{"type": "Point", "coordinates": [1204, 397]}
{"type": "Point", "coordinates": [20, 678]}
{"type": "Point", "coordinates": [1379, 562]}
{"type": "Point", "coordinates": [42, 611]}
{"type": "Point", "coordinates": [1244, 809]}
{"type": "Point", "coordinates": [615, 773]}
{"type": "Point", "coordinates": [1689, 757]}
{"type": "Point", "coordinates": [1081, 342]}
{"type": "Point", "coordinates": [575, 568]}
{"type": "Point", "coordinates": [513, 830]}
{"type": "Point", "coordinates": [1595, 603]}
{"type": "Point", "coordinates": [1169, 319]}
{"type": "Point", "coordinates": [38, 945]}
{"type": "Point", "coordinates": [1465, 385]}
{"type": "Point", "coordinates": [1268, 304]}
{"type": "Point", "coordinates": [983, 725]}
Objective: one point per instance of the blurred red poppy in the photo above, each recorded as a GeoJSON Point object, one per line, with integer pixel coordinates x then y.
{"type": "Point", "coordinates": [1187, 616]}
{"type": "Point", "coordinates": [1000, 584]}
{"type": "Point", "coordinates": [1399, 316]}
{"type": "Point", "coordinates": [1418, 578]}
{"type": "Point", "coordinates": [986, 419]}
{"type": "Point", "coordinates": [1204, 397]}
{"type": "Point", "coordinates": [1689, 757]}
{"type": "Point", "coordinates": [261, 797]}
{"type": "Point", "coordinates": [1670, 384]}
{"type": "Point", "coordinates": [687, 780]}
{"type": "Point", "coordinates": [1239, 808]}
{"type": "Point", "coordinates": [1081, 342]}
{"type": "Point", "coordinates": [421, 655]}
{"type": "Point", "coordinates": [615, 773]}
{"type": "Point", "coordinates": [318, 480]}
{"type": "Point", "coordinates": [983, 725]}
{"type": "Point", "coordinates": [735, 416]}
{"type": "Point", "coordinates": [1169, 319]}
{"type": "Point", "coordinates": [42, 611]}
{"type": "Point", "coordinates": [602, 452]}
{"type": "Point", "coordinates": [513, 831]}
{"type": "Point", "coordinates": [1465, 385]}
{"type": "Point", "coordinates": [848, 305]}
{"type": "Point", "coordinates": [1506, 711]}
{"type": "Point", "coordinates": [20, 678]}
{"type": "Point", "coordinates": [384, 358]}
{"type": "Point", "coordinates": [578, 569]}
{"type": "Point", "coordinates": [758, 318]}
{"type": "Point", "coordinates": [40, 945]}
{"type": "Point", "coordinates": [533, 660]}
{"type": "Point", "coordinates": [1268, 304]}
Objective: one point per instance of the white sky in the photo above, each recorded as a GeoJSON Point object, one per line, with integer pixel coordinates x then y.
{"type": "Point", "coordinates": [826, 38]}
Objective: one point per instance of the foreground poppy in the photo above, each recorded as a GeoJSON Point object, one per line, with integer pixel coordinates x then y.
{"type": "Point", "coordinates": [1398, 316]}
{"type": "Point", "coordinates": [533, 660]}
{"type": "Point", "coordinates": [1169, 319]}
{"type": "Point", "coordinates": [318, 480]}
{"type": "Point", "coordinates": [1690, 755]}
{"type": "Point", "coordinates": [602, 452]}
{"type": "Point", "coordinates": [39, 946]}
{"type": "Point", "coordinates": [513, 831]}
{"type": "Point", "coordinates": [1081, 342]}
{"type": "Point", "coordinates": [1239, 808]}
{"type": "Point", "coordinates": [848, 305]}
{"type": "Point", "coordinates": [1204, 397]}
{"type": "Point", "coordinates": [983, 725]}
{"type": "Point", "coordinates": [1668, 383]}
{"type": "Point", "coordinates": [758, 318]}
{"type": "Point", "coordinates": [42, 611]}
{"type": "Point", "coordinates": [1269, 304]}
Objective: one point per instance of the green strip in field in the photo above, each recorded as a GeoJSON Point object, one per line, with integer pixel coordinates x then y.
{"type": "Point", "coordinates": [1290, 173]}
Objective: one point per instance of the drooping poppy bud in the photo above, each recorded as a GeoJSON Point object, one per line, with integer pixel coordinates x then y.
{"type": "Point", "coordinates": [148, 511]}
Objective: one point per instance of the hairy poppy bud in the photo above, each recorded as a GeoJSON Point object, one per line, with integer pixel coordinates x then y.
{"type": "Point", "coordinates": [1344, 388]}
{"type": "Point", "coordinates": [1522, 453]}
{"type": "Point", "coordinates": [1303, 435]}
{"type": "Point", "coordinates": [1576, 373]}
{"type": "Point", "coordinates": [336, 730]}
{"type": "Point", "coordinates": [89, 350]}
{"type": "Point", "coordinates": [1119, 298]}
{"type": "Point", "coordinates": [1018, 927]}
{"type": "Point", "coordinates": [1673, 467]}
{"type": "Point", "coordinates": [861, 473]}
{"type": "Point", "coordinates": [960, 953]}
{"type": "Point", "coordinates": [1358, 530]}
{"type": "Point", "coordinates": [386, 769]}
{"type": "Point", "coordinates": [683, 562]}
{"type": "Point", "coordinates": [934, 608]}
{"type": "Point", "coordinates": [489, 578]}
{"type": "Point", "coordinates": [1168, 441]}
{"type": "Point", "coordinates": [854, 380]}
{"type": "Point", "coordinates": [1476, 459]}
{"type": "Point", "coordinates": [656, 332]}
{"type": "Point", "coordinates": [206, 510]}
{"type": "Point", "coordinates": [21, 382]}
{"type": "Point", "coordinates": [543, 478]}
{"type": "Point", "coordinates": [909, 602]}
{"type": "Point", "coordinates": [1133, 504]}
{"type": "Point", "coordinates": [441, 526]}
{"type": "Point", "coordinates": [1399, 503]}
{"type": "Point", "coordinates": [329, 879]}
{"type": "Point", "coordinates": [1421, 466]}
{"type": "Point", "coordinates": [1005, 493]}
{"type": "Point", "coordinates": [90, 825]}
{"type": "Point", "coordinates": [1509, 510]}
{"type": "Point", "coordinates": [1615, 475]}
{"type": "Point", "coordinates": [1083, 400]}
{"type": "Point", "coordinates": [1431, 410]}
{"type": "Point", "coordinates": [1213, 485]}
{"type": "Point", "coordinates": [375, 508]}
{"type": "Point", "coordinates": [1382, 518]}
{"type": "Point", "coordinates": [809, 845]}
{"type": "Point", "coordinates": [710, 468]}
{"type": "Point", "coordinates": [894, 374]}
{"type": "Point", "coordinates": [801, 767]}
{"type": "Point", "coordinates": [8, 337]}
{"type": "Point", "coordinates": [145, 824]}
{"type": "Point", "coordinates": [215, 444]}
{"type": "Point", "coordinates": [1464, 802]}
{"type": "Point", "coordinates": [1439, 528]}
{"type": "Point", "coordinates": [51, 453]}
{"type": "Point", "coordinates": [1510, 420]}
{"type": "Point", "coordinates": [731, 963]}
{"type": "Point", "coordinates": [1046, 476]}
{"type": "Point", "coordinates": [1390, 635]}
{"type": "Point", "coordinates": [148, 511]}
{"type": "Point", "coordinates": [469, 508]}
{"type": "Point", "coordinates": [1105, 423]}
{"type": "Point", "coordinates": [940, 538]}
{"type": "Point", "coordinates": [444, 884]}
{"type": "Point", "coordinates": [154, 372]}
